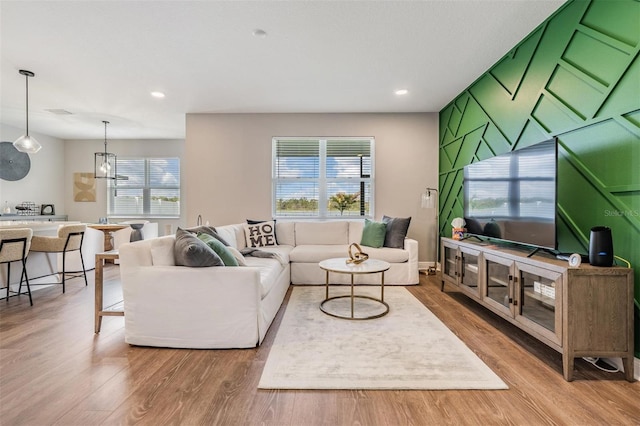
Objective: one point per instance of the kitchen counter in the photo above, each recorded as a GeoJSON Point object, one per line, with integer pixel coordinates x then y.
{"type": "Point", "coordinates": [33, 224]}
{"type": "Point", "coordinates": [37, 218]}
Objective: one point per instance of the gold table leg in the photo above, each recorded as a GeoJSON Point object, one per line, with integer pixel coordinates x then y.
{"type": "Point", "coordinates": [353, 296]}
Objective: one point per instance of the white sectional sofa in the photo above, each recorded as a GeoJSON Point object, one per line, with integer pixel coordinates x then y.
{"type": "Point", "coordinates": [232, 307]}
{"type": "Point", "coordinates": [306, 243]}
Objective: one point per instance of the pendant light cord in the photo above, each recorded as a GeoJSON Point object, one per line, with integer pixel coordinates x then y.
{"type": "Point", "coordinates": [27, 95]}
{"type": "Point", "coordinates": [105, 139]}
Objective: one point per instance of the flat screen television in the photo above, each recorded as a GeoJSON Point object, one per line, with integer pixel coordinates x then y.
{"type": "Point", "coordinates": [512, 197]}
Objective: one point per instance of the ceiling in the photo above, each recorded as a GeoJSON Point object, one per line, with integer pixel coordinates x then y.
{"type": "Point", "coordinates": [99, 60]}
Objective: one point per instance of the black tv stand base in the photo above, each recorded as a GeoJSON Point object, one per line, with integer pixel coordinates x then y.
{"type": "Point", "coordinates": [537, 249]}
{"type": "Point", "coordinates": [466, 237]}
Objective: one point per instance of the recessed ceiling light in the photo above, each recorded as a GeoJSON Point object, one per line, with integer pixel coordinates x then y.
{"type": "Point", "coordinates": [401, 92]}
{"type": "Point", "coordinates": [158, 95]}
{"type": "Point", "coordinates": [259, 33]}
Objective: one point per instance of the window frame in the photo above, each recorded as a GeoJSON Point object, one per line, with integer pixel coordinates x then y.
{"type": "Point", "coordinates": [322, 180]}
{"type": "Point", "coordinates": [146, 188]}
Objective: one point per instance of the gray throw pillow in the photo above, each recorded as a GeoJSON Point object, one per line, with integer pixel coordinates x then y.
{"type": "Point", "coordinates": [190, 251]}
{"type": "Point", "coordinates": [209, 230]}
{"type": "Point", "coordinates": [397, 228]}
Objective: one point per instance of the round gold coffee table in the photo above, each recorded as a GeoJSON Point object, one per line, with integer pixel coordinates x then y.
{"type": "Point", "coordinates": [340, 266]}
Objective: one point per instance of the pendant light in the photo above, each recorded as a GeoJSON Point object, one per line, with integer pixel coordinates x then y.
{"type": "Point", "coordinates": [104, 166]}
{"type": "Point", "coordinates": [26, 143]}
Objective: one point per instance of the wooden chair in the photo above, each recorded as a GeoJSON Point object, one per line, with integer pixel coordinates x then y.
{"type": "Point", "coordinates": [14, 247]}
{"type": "Point", "coordinates": [69, 239]}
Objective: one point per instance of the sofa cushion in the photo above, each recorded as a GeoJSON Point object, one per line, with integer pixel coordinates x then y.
{"type": "Point", "coordinates": [270, 270]}
{"type": "Point", "coordinates": [190, 251]}
{"type": "Point", "coordinates": [162, 251]}
{"type": "Point", "coordinates": [317, 253]}
{"type": "Point", "coordinates": [233, 234]}
{"type": "Point", "coordinates": [261, 234]}
{"type": "Point", "coordinates": [397, 228]}
{"type": "Point", "coordinates": [285, 233]}
{"type": "Point", "coordinates": [373, 233]}
{"type": "Point", "coordinates": [281, 250]}
{"type": "Point", "coordinates": [314, 253]}
{"type": "Point", "coordinates": [221, 250]}
{"type": "Point", "coordinates": [355, 231]}
{"type": "Point", "coordinates": [322, 233]}
{"type": "Point", "coordinates": [387, 254]}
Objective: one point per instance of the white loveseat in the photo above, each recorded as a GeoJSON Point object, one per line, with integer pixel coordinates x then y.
{"type": "Point", "coordinates": [232, 307]}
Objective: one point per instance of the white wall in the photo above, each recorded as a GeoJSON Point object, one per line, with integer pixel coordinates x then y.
{"type": "Point", "coordinates": [227, 163]}
{"type": "Point", "coordinates": [79, 158]}
{"type": "Point", "coordinates": [44, 182]}
{"type": "Point", "coordinates": [226, 166]}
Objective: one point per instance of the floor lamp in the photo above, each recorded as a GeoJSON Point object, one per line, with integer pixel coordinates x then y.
{"type": "Point", "coordinates": [430, 201]}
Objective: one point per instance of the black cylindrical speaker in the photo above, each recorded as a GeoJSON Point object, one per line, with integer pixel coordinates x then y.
{"type": "Point", "coordinates": [601, 246]}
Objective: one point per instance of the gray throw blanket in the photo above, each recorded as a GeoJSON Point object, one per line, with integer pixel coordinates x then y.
{"type": "Point", "coordinates": [254, 252]}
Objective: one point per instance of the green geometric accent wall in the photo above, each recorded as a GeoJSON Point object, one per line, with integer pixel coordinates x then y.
{"type": "Point", "coordinates": [576, 77]}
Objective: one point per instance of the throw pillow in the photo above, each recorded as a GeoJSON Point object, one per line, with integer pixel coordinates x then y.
{"type": "Point", "coordinates": [229, 233]}
{"type": "Point", "coordinates": [221, 250]}
{"type": "Point", "coordinates": [239, 257]}
{"type": "Point", "coordinates": [207, 230]}
{"type": "Point", "coordinates": [261, 234]}
{"type": "Point", "coordinates": [397, 228]}
{"type": "Point", "coordinates": [255, 222]}
{"type": "Point", "coordinates": [373, 233]}
{"type": "Point", "coordinates": [190, 251]}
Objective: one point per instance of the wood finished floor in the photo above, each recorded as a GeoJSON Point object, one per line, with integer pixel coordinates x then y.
{"type": "Point", "coordinates": [55, 371]}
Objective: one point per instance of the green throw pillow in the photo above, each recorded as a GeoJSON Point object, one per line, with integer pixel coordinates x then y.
{"type": "Point", "coordinates": [216, 245]}
{"type": "Point", "coordinates": [373, 233]}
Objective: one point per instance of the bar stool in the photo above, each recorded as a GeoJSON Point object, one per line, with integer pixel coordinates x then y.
{"type": "Point", "coordinates": [69, 239]}
{"type": "Point", "coordinates": [14, 247]}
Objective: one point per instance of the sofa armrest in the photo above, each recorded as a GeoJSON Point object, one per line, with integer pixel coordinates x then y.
{"type": "Point", "coordinates": [411, 246]}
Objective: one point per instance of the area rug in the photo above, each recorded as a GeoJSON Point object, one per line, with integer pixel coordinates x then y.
{"type": "Point", "coordinates": [409, 348]}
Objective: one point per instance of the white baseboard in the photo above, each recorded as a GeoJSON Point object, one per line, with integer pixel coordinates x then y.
{"type": "Point", "coordinates": [617, 362]}
{"type": "Point", "coordinates": [425, 266]}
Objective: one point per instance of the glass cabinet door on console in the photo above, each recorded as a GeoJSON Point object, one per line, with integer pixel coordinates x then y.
{"type": "Point", "coordinates": [468, 271]}
{"type": "Point", "coordinates": [499, 277]}
{"type": "Point", "coordinates": [529, 294]}
{"type": "Point", "coordinates": [460, 267]}
{"type": "Point", "coordinates": [449, 263]}
{"type": "Point", "coordinates": [540, 301]}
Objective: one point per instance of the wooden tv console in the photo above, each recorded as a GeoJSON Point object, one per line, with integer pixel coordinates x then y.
{"type": "Point", "coordinates": [580, 312]}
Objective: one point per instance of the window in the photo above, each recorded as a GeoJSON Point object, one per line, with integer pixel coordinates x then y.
{"type": "Point", "coordinates": [323, 178]}
{"type": "Point", "coordinates": [150, 188]}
